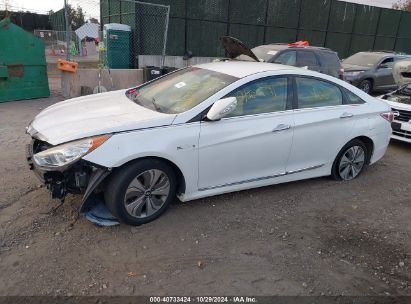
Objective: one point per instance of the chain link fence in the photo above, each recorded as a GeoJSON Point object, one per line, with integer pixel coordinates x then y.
{"type": "Point", "coordinates": [107, 33]}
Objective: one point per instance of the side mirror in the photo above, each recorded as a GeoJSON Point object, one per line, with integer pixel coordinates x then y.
{"type": "Point", "coordinates": [222, 108]}
{"type": "Point", "coordinates": [383, 66]}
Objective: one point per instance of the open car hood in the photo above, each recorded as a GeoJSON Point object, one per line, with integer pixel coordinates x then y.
{"type": "Point", "coordinates": [235, 48]}
{"type": "Point", "coordinates": [93, 115]}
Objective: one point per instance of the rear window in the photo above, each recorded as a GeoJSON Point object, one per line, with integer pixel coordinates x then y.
{"type": "Point", "coordinates": [329, 59]}
{"type": "Point", "coordinates": [307, 59]}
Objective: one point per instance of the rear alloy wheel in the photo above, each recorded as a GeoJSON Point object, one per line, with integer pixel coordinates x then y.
{"type": "Point", "coordinates": [366, 86]}
{"type": "Point", "coordinates": [141, 192]}
{"type": "Point", "coordinates": [351, 161]}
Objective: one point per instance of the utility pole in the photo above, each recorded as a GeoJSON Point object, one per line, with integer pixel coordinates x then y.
{"type": "Point", "coordinates": [68, 30]}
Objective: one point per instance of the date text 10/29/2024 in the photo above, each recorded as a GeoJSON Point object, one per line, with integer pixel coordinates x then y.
{"type": "Point", "coordinates": [203, 300]}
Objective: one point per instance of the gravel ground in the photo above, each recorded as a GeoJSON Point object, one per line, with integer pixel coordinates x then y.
{"type": "Point", "coordinates": [314, 237]}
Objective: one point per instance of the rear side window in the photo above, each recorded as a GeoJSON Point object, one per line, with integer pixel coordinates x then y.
{"type": "Point", "coordinates": [314, 93]}
{"type": "Point", "coordinates": [329, 59]}
{"type": "Point", "coordinates": [307, 59]}
{"type": "Point", "coordinates": [351, 98]}
{"type": "Point", "coordinates": [287, 58]}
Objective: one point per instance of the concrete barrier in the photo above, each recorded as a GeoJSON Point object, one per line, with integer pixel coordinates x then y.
{"type": "Point", "coordinates": [85, 80]}
{"type": "Point", "coordinates": [171, 61]}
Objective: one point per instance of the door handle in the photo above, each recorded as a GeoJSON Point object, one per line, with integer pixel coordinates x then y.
{"type": "Point", "coordinates": [346, 115]}
{"type": "Point", "coordinates": [281, 127]}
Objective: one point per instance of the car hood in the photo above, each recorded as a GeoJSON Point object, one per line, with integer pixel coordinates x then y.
{"type": "Point", "coordinates": [353, 67]}
{"type": "Point", "coordinates": [235, 48]}
{"type": "Point", "coordinates": [94, 115]}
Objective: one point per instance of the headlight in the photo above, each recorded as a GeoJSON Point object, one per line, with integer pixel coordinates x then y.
{"type": "Point", "coordinates": [352, 74]}
{"type": "Point", "coordinates": [66, 154]}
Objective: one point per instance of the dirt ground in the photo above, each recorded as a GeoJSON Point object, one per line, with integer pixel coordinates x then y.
{"type": "Point", "coordinates": [314, 237]}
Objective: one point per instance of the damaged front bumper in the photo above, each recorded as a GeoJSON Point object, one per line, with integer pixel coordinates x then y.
{"type": "Point", "coordinates": [82, 177]}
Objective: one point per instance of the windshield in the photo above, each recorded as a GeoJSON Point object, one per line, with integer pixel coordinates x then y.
{"type": "Point", "coordinates": [180, 91]}
{"type": "Point", "coordinates": [364, 59]}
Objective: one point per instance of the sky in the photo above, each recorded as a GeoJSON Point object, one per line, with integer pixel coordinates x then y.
{"type": "Point", "coordinates": [91, 6]}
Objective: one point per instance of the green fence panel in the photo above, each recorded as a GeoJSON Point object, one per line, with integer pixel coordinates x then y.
{"type": "Point", "coordinates": [203, 37]}
{"type": "Point", "coordinates": [339, 42]}
{"type": "Point", "coordinates": [314, 14]}
{"type": "Point", "coordinates": [279, 35]}
{"type": "Point", "coordinates": [384, 43]}
{"type": "Point", "coordinates": [213, 10]}
{"type": "Point", "coordinates": [405, 26]}
{"type": "Point", "coordinates": [57, 20]}
{"type": "Point", "coordinates": [114, 7]}
{"type": "Point", "coordinates": [341, 17]}
{"type": "Point", "coordinates": [366, 19]}
{"type": "Point", "coordinates": [129, 19]}
{"type": "Point", "coordinates": [242, 12]}
{"type": "Point", "coordinates": [403, 45]}
{"type": "Point", "coordinates": [251, 35]}
{"type": "Point", "coordinates": [176, 36]}
{"type": "Point", "coordinates": [115, 18]}
{"type": "Point", "coordinates": [315, 38]}
{"type": "Point", "coordinates": [389, 21]}
{"type": "Point", "coordinates": [177, 7]}
{"type": "Point", "coordinates": [283, 13]}
{"type": "Point", "coordinates": [361, 43]}
{"type": "Point", "coordinates": [104, 7]}
{"type": "Point", "coordinates": [128, 8]}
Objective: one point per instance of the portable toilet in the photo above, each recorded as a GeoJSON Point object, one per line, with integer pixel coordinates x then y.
{"type": "Point", "coordinates": [23, 67]}
{"type": "Point", "coordinates": [117, 43]}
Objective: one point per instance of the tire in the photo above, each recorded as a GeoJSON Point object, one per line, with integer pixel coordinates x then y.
{"type": "Point", "coordinates": [366, 86]}
{"type": "Point", "coordinates": [348, 166]}
{"type": "Point", "coordinates": [140, 192]}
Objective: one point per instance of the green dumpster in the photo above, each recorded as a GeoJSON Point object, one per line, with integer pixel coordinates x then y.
{"type": "Point", "coordinates": [23, 67]}
{"type": "Point", "coordinates": [117, 42]}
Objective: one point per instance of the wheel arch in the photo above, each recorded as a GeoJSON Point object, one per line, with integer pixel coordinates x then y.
{"type": "Point", "coordinates": [369, 143]}
{"type": "Point", "coordinates": [181, 182]}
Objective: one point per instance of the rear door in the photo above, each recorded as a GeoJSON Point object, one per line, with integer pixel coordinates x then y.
{"type": "Point", "coordinates": [383, 74]}
{"type": "Point", "coordinates": [323, 123]}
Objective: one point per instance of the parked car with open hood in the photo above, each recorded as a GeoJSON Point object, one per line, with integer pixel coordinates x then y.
{"type": "Point", "coordinates": [372, 71]}
{"type": "Point", "coordinates": [400, 101]}
{"type": "Point", "coordinates": [317, 59]}
{"type": "Point", "coordinates": [206, 130]}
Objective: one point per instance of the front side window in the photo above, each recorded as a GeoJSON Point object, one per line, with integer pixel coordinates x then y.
{"type": "Point", "coordinates": [387, 63]}
{"type": "Point", "coordinates": [180, 91]}
{"type": "Point", "coordinates": [287, 58]}
{"type": "Point", "coordinates": [314, 93]}
{"type": "Point", "coordinates": [262, 96]}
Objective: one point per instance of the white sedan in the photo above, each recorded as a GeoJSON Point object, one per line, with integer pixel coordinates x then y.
{"type": "Point", "coordinates": [206, 130]}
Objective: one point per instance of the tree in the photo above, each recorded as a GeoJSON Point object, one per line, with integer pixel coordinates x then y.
{"type": "Point", "coordinates": [404, 5]}
{"type": "Point", "coordinates": [77, 17]}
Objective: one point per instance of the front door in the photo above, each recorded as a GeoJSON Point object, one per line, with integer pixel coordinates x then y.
{"type": "Point", "coordinates": [253, 142]}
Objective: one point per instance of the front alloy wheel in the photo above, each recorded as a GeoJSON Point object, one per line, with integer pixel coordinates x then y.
{"type": "Point", "coordinates": [141, 191]}
{"type": "Point", "coordinates": [147, 193]}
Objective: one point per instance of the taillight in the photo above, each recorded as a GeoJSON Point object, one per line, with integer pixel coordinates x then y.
{"type": "Point", "coordinates": [388, 116]}
{"type": "Point", "coordinates": [341, 74]}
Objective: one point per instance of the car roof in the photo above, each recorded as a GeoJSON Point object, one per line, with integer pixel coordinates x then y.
{"type": "Point", "coordinates": [241, 69]}
{"type": "Point", "coordinates": [283, 46]}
